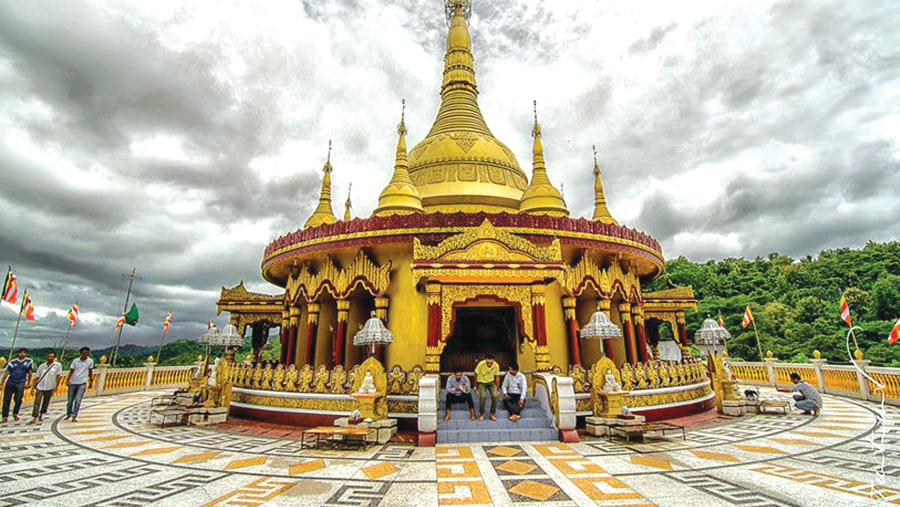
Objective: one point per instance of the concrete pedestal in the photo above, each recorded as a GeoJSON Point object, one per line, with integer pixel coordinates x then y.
{"type": "Point", "coordinates": [597, 426]}
{"type": "Point", "coordinates": [734, 407]}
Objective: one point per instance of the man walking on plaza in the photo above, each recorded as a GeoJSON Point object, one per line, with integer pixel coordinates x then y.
{"type": "Point", "coordinates": [15, 377]}
{"type": "Point", "coordinates": [513, 390]}
{"type": "Point", "coordinates": [459, 390]}
{"type": "Point", "coordinates": [47, 376]}
{"type": "Point", "coordinates": [807, 398]}
{"type": "Point", "coordinates": [81, 372]}
{"type": "Point", "coordinates": [486, 374]}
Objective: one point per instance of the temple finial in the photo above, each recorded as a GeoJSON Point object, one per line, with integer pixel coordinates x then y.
{"type": "Point", "coordinates": [323, 213]}
{"type": "Point", "coordinates": [536, 131]}
{"type": "Point", "coordinates": [347, 204]}
{"type": "Point", "coordinates": [401, 128]}
{"type": "Point", "coordinates": [400, 196]}
{"type": "Point", "coordinates": [541, 197]}
{"type": "Point", "coordinates": [451, 7]}
{"type": "Point", "coordinates": [601, 211]}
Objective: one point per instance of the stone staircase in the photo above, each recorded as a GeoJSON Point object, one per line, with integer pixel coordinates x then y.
{"type": "Point", "coordinates": [534, 426]}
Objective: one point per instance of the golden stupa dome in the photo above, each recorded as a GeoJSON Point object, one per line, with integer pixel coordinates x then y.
{"type": "Point", "coordinates": [541, 197]}
{"type": "Point", "coordinates": [460, 165]}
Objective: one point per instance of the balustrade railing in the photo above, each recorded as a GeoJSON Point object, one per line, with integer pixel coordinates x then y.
{"type": "Point", "coordinates": [649, 375]}
{"type": "Point", "coordinates": [320, 380]}
{"type": "Point", "coordinates": [844, 380]}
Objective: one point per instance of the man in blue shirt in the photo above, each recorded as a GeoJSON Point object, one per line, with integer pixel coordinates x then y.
{"type": "Point", "coordinates": [16, 376]}
{"type": "Point", "coordinates": [459, 390]}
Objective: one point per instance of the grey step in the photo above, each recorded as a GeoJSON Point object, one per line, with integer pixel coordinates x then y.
{"type": "Point", "coordinates": [515, 435]}
{"type": "Point", "coordinates": [458, 423]}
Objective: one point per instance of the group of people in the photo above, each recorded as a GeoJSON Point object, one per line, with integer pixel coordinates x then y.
{"type": "Point", "coordinates": [20, 374]}
{"type": "Point", "coordinates": [487, 377]}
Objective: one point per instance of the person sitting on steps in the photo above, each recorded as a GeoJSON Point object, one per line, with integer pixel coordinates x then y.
{"type": "Point", "coordinates": [487, 375]}
{"type": "Point", "coordinates": [513, 389]}
{"type": "Point", "coordinates": [459, 390]}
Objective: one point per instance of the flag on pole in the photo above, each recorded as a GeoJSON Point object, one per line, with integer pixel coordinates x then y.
{"type": "Point", "coordinates": [73, 314]}
{"type": "Point", "coordinates": [845, 310]}
{"type": "Point", "coordinates": [721, 321]}
{"type": "Point", "coordinates": [27, 307]}
{"type": "Point", "coordinates": [166, 322]}
{"type": "Point", "coordinates": [120, 321]}
{"type": "Point", "coordinates": [131, 318]}
{"type": "Point", "coordinates": [895, 333]}
{"type": "Point", "coordinates": [10, 289]}
{"type": "Point", "coordinates": [748, 316]}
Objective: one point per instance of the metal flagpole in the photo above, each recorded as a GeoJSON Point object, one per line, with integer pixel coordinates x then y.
{"type": "Point", "coordinates": [62, 354]}
{"type": "Point", "coordinates": [756, 332]}
{"type": "Point", "coordinates": [159, 350]}
{"type": "Point", "coordinates": [115, 353]}
{"type": "Point", "coordinates": [15, 334]}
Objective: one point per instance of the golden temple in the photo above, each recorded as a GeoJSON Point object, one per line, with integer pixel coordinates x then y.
{"type": "Point", "coordinates": [463, 256]}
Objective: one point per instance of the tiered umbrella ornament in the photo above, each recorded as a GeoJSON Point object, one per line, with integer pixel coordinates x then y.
{"type": "Point", "coordinates": [373, 333]}
{"type": "Point", "coordinates": [600, 328]}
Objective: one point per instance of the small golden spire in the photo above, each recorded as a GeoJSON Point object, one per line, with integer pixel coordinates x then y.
{"type": "Point", "coordinates": [541, 197]}
{"type": "Point", "coordinates": [323, 213]}
{"type": "Point", "coordinates": [347, 204]}
{"type": "Point", "coordinates": [601, 211]}
{"type": "Point", "coordinates": [400, 196]}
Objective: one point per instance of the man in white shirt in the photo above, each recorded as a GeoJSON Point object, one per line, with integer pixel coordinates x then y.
{"type": "Point", "coordinates": [81, 373]}
{"type": "Point", "coordinates": [513, 389]}
{"type": "Point", "coordinates": [48, 375]}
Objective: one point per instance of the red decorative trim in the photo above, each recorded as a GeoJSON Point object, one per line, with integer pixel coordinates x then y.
{"type": "Point", "coordinates": [659, 414]}
{"type": "Point", "coordinates": [290, 355]}
{"type": "Point", "coordinates": [568, 436]}
{"type": "Point", "coordinates": [608, 350]}
{"type": "Point", "coordinates": [629, 342]}
{"type": "Point", "coordinates": [311, 331]}
{"type": "Point", "coordinates": [574, 343]}
{"type": "Point", "coordinates": [338, 347]}
{"type": "Point", "coordinates": [539, 324]}
{"type": "Point", "coordinates": [682, 333]}
{"type": "Point", "coordinates": [434, 324]}
{"type": "Point", "coordinates": [642, 341]}
{"type": "Point", "coordinates": [427, 439]}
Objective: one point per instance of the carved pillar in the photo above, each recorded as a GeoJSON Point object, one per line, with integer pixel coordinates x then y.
{"type": "Point", "coordinates": [381, 311]}
{"type": "Point", "coordinates": [539, 323]}
{"type": "Point", "coordinates": [311, 331]}
{"type": "Point", "coordinates": [682, 330]}
{"type": "Point", "coordinates": [630, 349]}
{"type": "Point", "coordinates": [433, 351]}
{"type": "Point", "coordinates": [603, 306]}
{"type": "Point", "coordinates": [572, 326]}
{"type": "Point", "coordinates": [284, 337]}
{"type": "Point", "coordinates": [291, 355]}
{"type": "Point", "coordinates": [638, 314]}
{"type": "Point", "coordinates": [343, 315]}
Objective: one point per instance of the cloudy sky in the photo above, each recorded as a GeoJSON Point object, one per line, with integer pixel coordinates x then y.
{"type": "Point", "coordinates": [181, 137]}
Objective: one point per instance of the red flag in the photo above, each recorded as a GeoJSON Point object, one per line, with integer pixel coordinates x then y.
{"type": "Point", "coordinates": [120, 321]}
{"type": "Point", "coordinates": [73, 314]}
{"type": "Point", "coordinates": [10, 288]}
{"type": "Point", "coordinates": [748, 316]}
{"type": "Point", "coordinates": [895, 334]}
{"type": "Point", "coordinates": [721, 322]}
{"type": "Point", "coordinates": [27, 307]}
{"type": "Point", "coordinates": [845, 310]}
{"type": "Point", "coordinates": [166, 322]}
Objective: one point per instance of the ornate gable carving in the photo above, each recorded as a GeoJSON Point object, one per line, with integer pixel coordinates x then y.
{"type": "Point", "coordinates": [340, 281]}
{"type": "Point", "coordinates": [487, 243]}
{"type": "Point", "coordinates": [587, 272]}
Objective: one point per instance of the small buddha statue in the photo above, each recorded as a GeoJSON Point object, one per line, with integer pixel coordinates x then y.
{"type": "Point", "coordinates": [611, 384]}
{"type": "Point", "coordinates": [368, 384]}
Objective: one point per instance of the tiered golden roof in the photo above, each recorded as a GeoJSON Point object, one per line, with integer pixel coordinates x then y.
{"type": "Point", "coordinates": [400, 196]}
{"type": "Point", "coordinates": [323, 213]}
{"type": "Point", "coordinates": [541, 197]}
{"type": "Point", "coordinates": [601, 212]}
{"type": "Point", "coordinates": [460, 166]}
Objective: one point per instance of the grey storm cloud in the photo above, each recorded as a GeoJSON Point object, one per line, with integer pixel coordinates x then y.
{"type": "Point", "coordinates": [181, 138]}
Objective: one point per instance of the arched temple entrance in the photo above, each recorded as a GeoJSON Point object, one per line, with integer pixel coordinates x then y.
{"type": "Point", "coordinates": [478, 331]}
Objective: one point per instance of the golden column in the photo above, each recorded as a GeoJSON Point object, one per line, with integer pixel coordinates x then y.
{"type": "Point", "coordinates": [572, 327]}
{"type": "Point", "coordinates": [381, 311]}
{"type": "Point", "coordinates": [625, 316]}
{"type": "Point", "coordinates": [343, 314]}
{"type": "Point", "coordinates": [311, 330]}
{"type": "Point", "coordinates": [433, 349]}
{"type": "Point", "coordinates": [291, 355]}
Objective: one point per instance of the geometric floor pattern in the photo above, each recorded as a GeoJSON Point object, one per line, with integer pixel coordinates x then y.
{"type": "Point", "coordinates": [112, 456]}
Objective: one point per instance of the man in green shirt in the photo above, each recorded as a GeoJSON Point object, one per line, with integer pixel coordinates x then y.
{"type": "Point", "coordinates": [486, 375]}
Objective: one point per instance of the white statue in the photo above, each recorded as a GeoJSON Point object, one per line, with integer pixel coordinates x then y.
{"type": "Point", "coordinates": [611, 384]}
{"type": "Point", "coordinates": [212, 375]}
{"type": "Point", "coordinates": [625, 410]}
{"type": "Point", "coordinates": [368, 385]}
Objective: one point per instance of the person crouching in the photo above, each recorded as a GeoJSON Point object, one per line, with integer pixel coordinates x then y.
{"type": "Point", "coordinates": [514, 387]}
{"type": "Point", "coordinates": [459, 390]}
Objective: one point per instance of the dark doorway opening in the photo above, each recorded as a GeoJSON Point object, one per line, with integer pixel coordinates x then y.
{"type": "Point", "coordinates": [478, 331]}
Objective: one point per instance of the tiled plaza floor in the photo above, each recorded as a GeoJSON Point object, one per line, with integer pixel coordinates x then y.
{"type": "Point", "coordinates": [111, 456]}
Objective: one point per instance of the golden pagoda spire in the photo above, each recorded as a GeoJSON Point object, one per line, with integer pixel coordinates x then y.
{"type": "Point", "coordinates": [323, 213]}
{"type": "Point", "coordinates": [601, 212]}
{"type": "Point", "coordinates": [400, 196]}
{"type": "Point", "coordinates": [459, 94]}
{"type": "Point", "coordinates": [347, 204]}
{"type": "Point", "coordinates": [541, 197]}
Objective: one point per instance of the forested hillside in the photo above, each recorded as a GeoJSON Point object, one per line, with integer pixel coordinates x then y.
{"type": "Point", "coordinates": [796, 301]}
